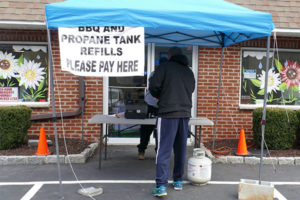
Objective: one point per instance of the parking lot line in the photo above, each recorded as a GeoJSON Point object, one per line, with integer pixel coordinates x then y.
{"type": "Point", "coordinates": [278, 195]}
{"type": "Point", "coordinates": [35, 188]}
{"type": "Point", "coordinates": [128, 182]}
{"type": "Point", "coordinates": [38, 184]}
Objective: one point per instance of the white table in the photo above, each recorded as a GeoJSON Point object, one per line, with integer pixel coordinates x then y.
{"type": "Point", "coordinates": [111, 119]}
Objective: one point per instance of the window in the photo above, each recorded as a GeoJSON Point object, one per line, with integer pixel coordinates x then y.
{"type": "Point", "coordinates": [23, 73]}
{"type": "Point", "coordinates": [283, 78]}
{"type": "Point", "coordinates": [124, 90]}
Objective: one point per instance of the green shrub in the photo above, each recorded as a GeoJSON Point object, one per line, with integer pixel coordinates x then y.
{"type": "Point", "coordinates": [279, 132]}
{"type": "Point", "coordinates": [14, 123]}
{"type": "Point", "coordinates": [298, 129]}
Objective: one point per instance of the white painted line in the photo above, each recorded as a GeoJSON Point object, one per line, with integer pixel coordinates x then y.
{"type": "Point", "coordinates": [32, 191]}
{"type": "Point", "coordinates": [76, 182]}
{"type": "Point", "coordinates": [286, 183]}
{"type": "Point", "coordinates": [235, 183]}
{"type": "Point", "coordinates": [278, 195]}
{"type": "Point", "coordinates": [110, 181]}
{"type": "Point", "coordinates": [223, 182]}
{"type": "Point", "coordinates": [129, 182]}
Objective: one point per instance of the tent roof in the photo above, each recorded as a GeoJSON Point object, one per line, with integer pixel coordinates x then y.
{"type": "Point", "coordinates": [213, 23]}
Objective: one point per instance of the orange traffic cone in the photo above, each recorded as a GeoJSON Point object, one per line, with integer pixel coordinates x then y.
{"type": "Point", "coordinates": [42, 149]}
{"type": "Point", "coordinates": [242, 146]}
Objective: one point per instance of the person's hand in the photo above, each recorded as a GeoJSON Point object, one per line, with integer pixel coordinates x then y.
{"type": "Point", "coordinates": [119, 115]}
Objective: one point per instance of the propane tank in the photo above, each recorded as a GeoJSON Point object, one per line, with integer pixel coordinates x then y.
{"type": "Point", "coordinates": [199, 167]}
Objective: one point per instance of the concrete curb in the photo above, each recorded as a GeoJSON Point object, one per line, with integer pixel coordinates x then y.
{"type": "Point", "coordinates": [50, 159]}
{"type": "Point", "coordinates": [252, 160]}
{"type": "Point", "coordinates": [91, 149]}
{"type": "Point", "coordinates": [256, 160]}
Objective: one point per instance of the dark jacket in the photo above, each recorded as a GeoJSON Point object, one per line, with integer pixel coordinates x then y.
{"type": "Point", "coordinates": [173, 84]}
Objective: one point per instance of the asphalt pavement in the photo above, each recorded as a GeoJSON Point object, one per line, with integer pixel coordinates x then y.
{"type": "Point", "coordinates": [124, 177]}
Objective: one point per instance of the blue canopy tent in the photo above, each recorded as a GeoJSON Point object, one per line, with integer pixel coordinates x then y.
{"type": "Point", "coordinates": [214, 23]}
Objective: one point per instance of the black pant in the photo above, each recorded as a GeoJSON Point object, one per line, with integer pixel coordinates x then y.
{"type": "Point", "coordinates": [146, 131]}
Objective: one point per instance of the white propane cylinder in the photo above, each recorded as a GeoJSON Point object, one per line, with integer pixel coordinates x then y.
{"type": "Point", "coordinates": [199, 167]}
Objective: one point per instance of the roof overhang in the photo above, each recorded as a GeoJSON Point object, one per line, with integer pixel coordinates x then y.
{"type": "Point", "coordinates": [286, 32]}
{"type": "Point", "coordinates": [25, 25]}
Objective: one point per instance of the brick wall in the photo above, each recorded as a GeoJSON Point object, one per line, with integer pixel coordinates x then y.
{"type": "Point", "coordinates": [230, 118]}
{"type": "Point", "coordinates": [66, 88]}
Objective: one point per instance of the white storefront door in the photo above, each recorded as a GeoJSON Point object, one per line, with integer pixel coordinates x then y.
{"type": "Point", "coordinates": [119, 91]}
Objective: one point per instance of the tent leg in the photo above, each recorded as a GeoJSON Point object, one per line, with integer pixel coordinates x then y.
{"type": "Point", "coordinates": [82, 102]}
{"type": "Point", "coordinates": [218, 99]}
{"type": "Point", "coordinates": [53, 114]}
{"type": "Point", "coordinates": [264, 109]}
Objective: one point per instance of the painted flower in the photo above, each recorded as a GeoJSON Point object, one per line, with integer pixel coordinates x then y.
{"type": "Point", "coordinates": [291, 74]}
{"type": "Point", "coordinates": [8, 65]}
{"type": "Point", "coordinates": [31, 74]}
{"type": "Point", "coordinates": [273, 80]}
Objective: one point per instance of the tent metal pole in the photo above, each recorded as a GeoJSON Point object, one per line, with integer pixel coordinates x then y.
{"type": "Point", "coordinates": [263, 122]}
{"type": "Point", "coordinates": [53, 113]}
{"type": "Point", "coordinates": [82, 102]}
{"type": "Point", "coordinates": [218, 99]}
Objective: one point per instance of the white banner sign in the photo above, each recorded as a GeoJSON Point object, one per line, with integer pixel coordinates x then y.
{"type": "Point", "coordinates": [102, 51]}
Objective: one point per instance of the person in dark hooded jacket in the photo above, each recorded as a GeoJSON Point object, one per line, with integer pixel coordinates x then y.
{"type": "Point", "coordinates": [172, 84]}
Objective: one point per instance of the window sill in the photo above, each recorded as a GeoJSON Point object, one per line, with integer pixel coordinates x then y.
{"type": "Point", "coordinates": [29, 104]}
{"type": "Point", "coordinates": [253, 106]}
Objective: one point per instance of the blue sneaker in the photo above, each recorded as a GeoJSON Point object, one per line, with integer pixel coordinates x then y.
{"type": "Point", "coordinates": [159, 191]}
{"type": "Point", "coordinates": [177, 185]}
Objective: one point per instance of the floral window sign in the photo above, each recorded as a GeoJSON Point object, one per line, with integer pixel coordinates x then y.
{"type": "Point", "coordinates": [283, 79]}
{"type": "Point", "coordinates": [25, 68]}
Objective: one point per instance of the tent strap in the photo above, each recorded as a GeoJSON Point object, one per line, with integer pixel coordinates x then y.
{"type": "Point", "coordinates": [218, 98]}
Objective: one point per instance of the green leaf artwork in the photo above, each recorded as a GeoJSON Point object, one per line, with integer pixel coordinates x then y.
{"type": "Point", "coordinates": [255, 82]}
{"type": "Point", "coordinates": [282, 86]}
{"type": "Point", "coordinates": [270, 99]}
{"type": "Point", "coordinates": [252, 95]}
{"type": "Point", "coordinates": [261, 92]}
{"type": "Point", "coordinates": [245, 85]}
{"type": "Point", "coordinates": [295, 88]}
{"type": "Point", "coordinates": [21, 60]}
{"type": "Point", "coordinates": [41, 85]}
{"type": "Point", "coordinates": [30, 94]}
{"type": "Point", "coordinates": [278, 65]}
{"type": "Point", "coordinates": [10, 83]}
